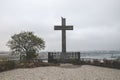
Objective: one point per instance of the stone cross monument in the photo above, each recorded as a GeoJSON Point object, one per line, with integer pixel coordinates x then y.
{"type": "Point", "coordinates": [63, 57]}
{"type": "Point", "coordinates": [63, 27]}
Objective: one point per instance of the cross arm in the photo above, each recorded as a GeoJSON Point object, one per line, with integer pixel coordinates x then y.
{"type": "Point", "coordinates": [70, 27]}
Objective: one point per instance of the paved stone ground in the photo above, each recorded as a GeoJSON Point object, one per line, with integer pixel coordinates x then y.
{"type": "Point", "coordinates": [64, 72]}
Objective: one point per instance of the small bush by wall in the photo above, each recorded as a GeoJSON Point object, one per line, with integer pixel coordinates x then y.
{"type": "Point", "coordinates": [7, 65]}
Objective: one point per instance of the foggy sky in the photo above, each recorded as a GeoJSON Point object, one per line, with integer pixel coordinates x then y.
{"type": "Point", "coordinates": [96, 22]}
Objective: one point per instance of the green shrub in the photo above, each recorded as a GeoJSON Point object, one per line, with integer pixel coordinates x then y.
{"type": "Point", "coordinates": [6, 65]}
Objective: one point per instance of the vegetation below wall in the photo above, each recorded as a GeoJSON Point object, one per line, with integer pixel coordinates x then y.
{"type": "Point", "coordinates": [8, 65]}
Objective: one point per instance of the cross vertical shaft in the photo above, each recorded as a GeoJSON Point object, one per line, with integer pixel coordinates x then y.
{"type": "Point", "coordinates": [63, 36]}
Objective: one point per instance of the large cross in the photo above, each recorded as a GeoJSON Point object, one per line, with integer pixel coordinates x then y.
{"type": "Point", "coordinates": [63, 28]}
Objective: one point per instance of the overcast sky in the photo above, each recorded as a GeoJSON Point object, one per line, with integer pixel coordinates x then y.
{"type": "Point", "coordinates": [96, 22]}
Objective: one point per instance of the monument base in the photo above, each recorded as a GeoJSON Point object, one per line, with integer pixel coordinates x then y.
{"type": "Point", "coordinates": [59, 57]}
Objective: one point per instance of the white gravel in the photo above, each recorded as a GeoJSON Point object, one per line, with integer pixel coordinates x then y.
{"type": "Point", "coordinates": [85, 72]}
